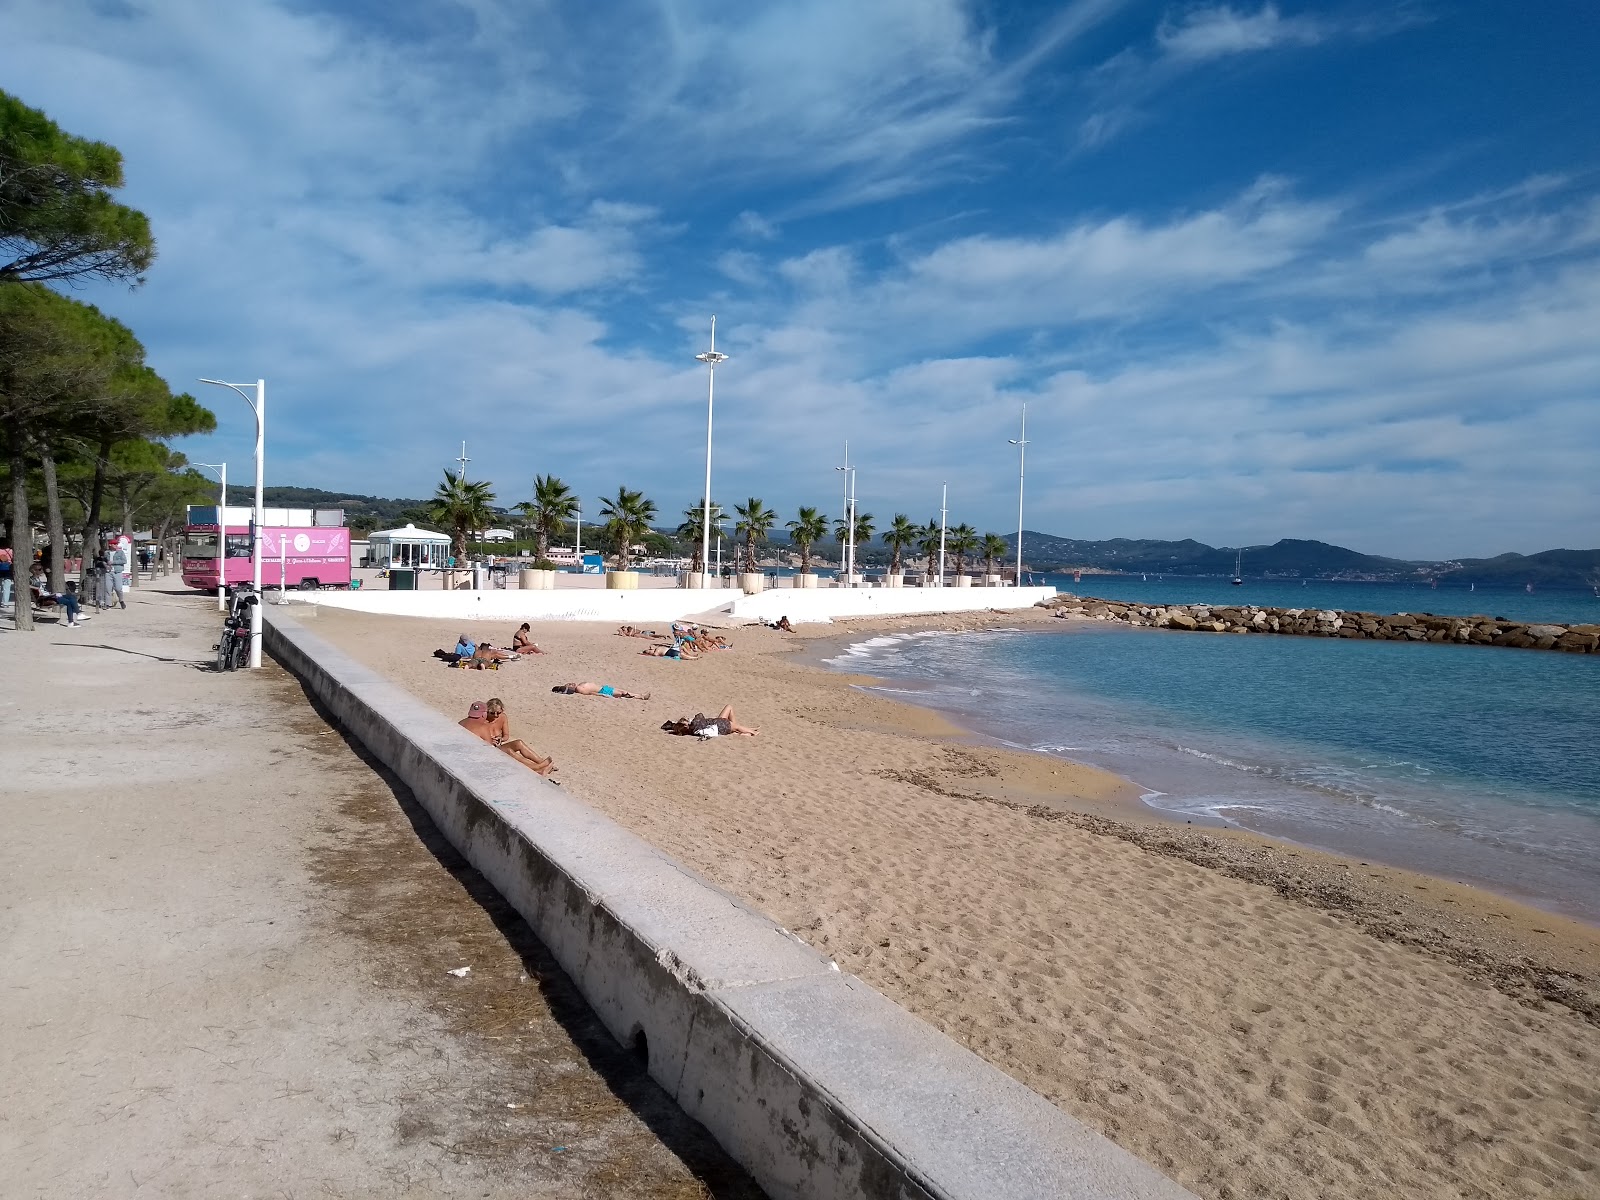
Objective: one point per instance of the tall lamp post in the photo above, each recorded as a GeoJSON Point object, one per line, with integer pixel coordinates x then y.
{"type": "Point", "coordinates": [711, 358]}
{"type": "Point", "coordinates": [577, 544]}
{"type": "Point", "coordinates": [944, 513]}
{"type": "Point", "coordinates": [1021, 443]}
{"type": "Point", "coordinates": [847, 553]}
{"type": "Point", "coordinates": [222, 533]}
{"type": "Point", "coordinates": [259, 407]}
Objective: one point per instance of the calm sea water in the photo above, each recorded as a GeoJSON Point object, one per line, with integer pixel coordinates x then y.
{"type": "Point", "coordinates": [1471, 763]}
{"type": "Point", "coordinates": [1563, 606]}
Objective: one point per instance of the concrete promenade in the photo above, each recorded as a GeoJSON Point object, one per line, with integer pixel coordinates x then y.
{"type": "Point", "coordinates": [224, 946]}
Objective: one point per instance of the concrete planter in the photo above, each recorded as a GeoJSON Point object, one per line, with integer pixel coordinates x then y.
{"type": "Point", "coordinates": [751, 582]}
{"type": "Point", "coordinates": [992, 580]}
{"type": "Point", "coordinates": [963, 581]}
{"type": "Point", "coordinates": [622, 581]}
{"type": "Point", "coordinates": [689, 579]}
{"type": "Point", "coordinates": [807, 580]}
{"type": "Point", "coordinates": [536, 579]}
{"type": "Point", "coordinates": [898, 579]}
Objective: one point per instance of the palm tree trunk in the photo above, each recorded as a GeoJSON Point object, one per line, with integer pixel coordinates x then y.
{"type": "Point", "coordinates": [58, 535]}
{"type": "Point", "coordinates": [805, 558]}
{"type": "Point", "coordinates": [21, 534]}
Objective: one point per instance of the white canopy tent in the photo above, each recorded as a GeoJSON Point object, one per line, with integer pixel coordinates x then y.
{"type": "Point", "coordinates": [408, 547]}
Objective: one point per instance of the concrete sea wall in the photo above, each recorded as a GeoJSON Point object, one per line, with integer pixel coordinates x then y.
{"type": "Point", "coordinates": [1328, 622]}
{"type": "Point", "coordinates": [647, 605]}
{"type": "Point", "coordinates": [814, 1081]}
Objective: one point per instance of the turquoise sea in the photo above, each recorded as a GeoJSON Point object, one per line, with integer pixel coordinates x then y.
{"type": "Point", "coordinates": [1471, 763]}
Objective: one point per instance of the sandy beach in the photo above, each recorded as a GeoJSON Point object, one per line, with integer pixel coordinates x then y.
{"type": "Point", "coordinates": [1253, 1019]}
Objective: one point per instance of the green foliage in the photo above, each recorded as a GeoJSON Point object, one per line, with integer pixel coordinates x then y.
{"type": "Point", "coordinates": [58, 220]}
{"type": "Point", "coordinates": [552, 506]}
{"type": "Point", "coordinates": [809, 527]}
{"type": "Point", "coordinates": [963, 541]}
{"type": "Point", "coordinates": [899, 537]}
{"type": "Point", "coordinates": [693, 527]}
{"type": "Point", "coordinates": [994, 547]}
{"type": "Point", "coordinates": [755, 522]}
{"type": "Point", "coordinates": [928, 542]}
{"type": "Point", "coordinates": [463, 509]}
{"type": "Point", "coordinates": [626, 519]}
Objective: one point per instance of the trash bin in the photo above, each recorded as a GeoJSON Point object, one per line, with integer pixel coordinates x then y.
{"type": "Point", "coordinates": [480, 577]}
{"type": "Point", "coordinates": [402, 579]}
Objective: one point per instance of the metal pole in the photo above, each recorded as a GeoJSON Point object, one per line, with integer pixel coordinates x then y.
{"type": "Point", "coordinates": [577, 545]}
{"type": "Point", "coordinates": [222, 545]}
{"type": "Point", "coordinates": [283, 569]}
{"type": "Point", "coordinates": [711, 358]}
{"type": "Point", "coordinates": [847, 543]}
{"type": "Point", "coordinates": [261, 512]}
{"type": "Point", "coordinates": [944, 500]}
{"type": "Point", "coordinates": [1021, 443]}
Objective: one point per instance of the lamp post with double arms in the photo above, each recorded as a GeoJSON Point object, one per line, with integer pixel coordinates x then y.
{"type": "Point", "coordinates": [711, 358]}
{"type": "Point", "coordinates": [258, 405]}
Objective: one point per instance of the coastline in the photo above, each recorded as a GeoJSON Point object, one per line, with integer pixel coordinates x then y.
{"type": "Point", "coordinates": [1121, 963]}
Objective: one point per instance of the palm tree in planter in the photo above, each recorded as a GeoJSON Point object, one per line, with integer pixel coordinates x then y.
{"type": "Point", "coordinates": [963, 541]}
{"type": "Point", "coordinates": [755, 522]}
{"type": "Point", "coordinates": [463, 508]}
{"type": "Point", "coordinates": [627, 517]}
{"type": "Point", "coordinates": [928, 543]}
{"type": "Point", "coordinates": [553, 505]}
{"type": "Point", "coordinates": [899, 537]}
{"type": "Point", "coordinates": [808, 528]}
{"type": "Point", "coordinates": [994, 546]}
{"type": "Point", "coordinates": [693, 530]}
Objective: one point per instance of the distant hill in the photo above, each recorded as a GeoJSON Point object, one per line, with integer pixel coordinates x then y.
{"type": "Point", "coordinates": [1291, 558]}
{"type": "Point", "coordinates": [361, 512]}
{"type": "Point", "coordinates": [1550, 568]}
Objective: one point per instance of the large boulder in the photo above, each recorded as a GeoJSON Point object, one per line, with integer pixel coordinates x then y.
{"type": "Point", "coordinates": [1539, 632]}
{"type": "Point", "coordinates": [1182, 620]}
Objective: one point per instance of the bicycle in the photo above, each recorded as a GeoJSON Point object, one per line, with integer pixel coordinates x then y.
{"type": "Point", "coordinates": [233, 649]}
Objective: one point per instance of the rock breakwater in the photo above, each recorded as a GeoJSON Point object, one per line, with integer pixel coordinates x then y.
{"type": "Point", "coordinates": [1329, 622]}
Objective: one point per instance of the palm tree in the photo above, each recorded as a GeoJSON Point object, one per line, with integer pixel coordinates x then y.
{"type": "Point", "coordinates": [963, 541]}
{"type": "Point", "coordinates": [755, 522]}
{"type": "Point", "coordinates": [552, 506]}
{"type": "Point", "coordinates": [627, 517]}
{"type": "Point", "coordinates": [899, 537]}
{"type": "Point", "coordinates": [994, 546]}
{"type": "Point", "coordinates": [863, 533]}
{"type": "Point", "coordinates": [693, 529]}
{"type": "Point", "coordinates": [928, 543]}
{"type": "Point", "coordinates": [463, 508]}
{"type": "Point", "coordinates": [810, 526]}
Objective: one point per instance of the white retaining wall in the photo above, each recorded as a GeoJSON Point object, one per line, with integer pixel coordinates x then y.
{"type": "Point", "coordinates": [816, 1083]}
{"type": "Point", "coordinates": [659, 605]}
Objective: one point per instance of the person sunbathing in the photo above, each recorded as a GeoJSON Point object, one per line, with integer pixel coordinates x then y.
{"type": "Point", "coordinates": [630, 631]}
{"type": "Point", "coordinates": [522, 641]}
{"type": "Point", "coordinates": [488, 722]}
{"type": "Point", "coordinates": [724, 724]}
{"type": "Point", "coordinates": [485, 653]}
{"type": "Point", "coordinates": [597, 689]}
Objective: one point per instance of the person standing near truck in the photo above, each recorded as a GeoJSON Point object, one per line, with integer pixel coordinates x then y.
{"type": "Point", "coordinates": [116, 561]}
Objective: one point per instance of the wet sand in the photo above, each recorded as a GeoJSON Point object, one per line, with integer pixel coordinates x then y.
{"type": "Point", "coordinates": [1254, 1019]}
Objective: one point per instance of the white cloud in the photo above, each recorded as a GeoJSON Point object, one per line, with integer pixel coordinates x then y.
{"type": "Point", "coordinates": [1214, 32]}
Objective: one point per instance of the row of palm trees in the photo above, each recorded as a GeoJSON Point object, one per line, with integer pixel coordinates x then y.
{"type": "Point", "coordinates": [464, 508]}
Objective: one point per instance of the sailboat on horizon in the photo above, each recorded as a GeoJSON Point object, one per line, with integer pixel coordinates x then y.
{"type": "Point", "coordinates": [1238, 577]}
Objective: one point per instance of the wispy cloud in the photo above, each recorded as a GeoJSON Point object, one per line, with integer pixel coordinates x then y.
{"type": "Point", "coordinates": [1216, 31]}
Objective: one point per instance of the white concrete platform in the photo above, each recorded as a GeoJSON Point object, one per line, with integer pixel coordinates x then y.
{"type": "Point", "coordinates": [815, 1082]}
{"type": "Point", "coordinates": [661, 605]}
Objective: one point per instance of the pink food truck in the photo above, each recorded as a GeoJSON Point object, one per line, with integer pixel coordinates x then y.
{"type": "Point", "coordinates": [306, 547]}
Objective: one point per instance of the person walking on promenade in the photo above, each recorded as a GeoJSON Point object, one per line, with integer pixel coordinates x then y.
{"type": "Point", "coordinates": [116, 560]}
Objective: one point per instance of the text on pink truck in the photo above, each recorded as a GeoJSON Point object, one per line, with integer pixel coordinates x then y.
{"type": "Point", "coordinates": [300, 547]}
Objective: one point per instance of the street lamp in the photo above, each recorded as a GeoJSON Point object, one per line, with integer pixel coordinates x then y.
{"type": "Point", "coordinates": [221, 470]}
{"type": "Point", "coordinates": [259, 407]}
{"type": "Point", "coordinates": [847, 552]}
{"type": "Point", "coordinates": [1021, 443]}
{"type": "Point", "coordinates": [944, 511]}
{"type": "Point", "coordinates": [711, 358]}
{"type": "Point", "coordinates": [577, 542]}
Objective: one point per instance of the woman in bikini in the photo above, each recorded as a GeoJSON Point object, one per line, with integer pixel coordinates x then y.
{"type": "Point", "coordinates": [488, 721]}
{"type": "Point", "coordinates": [522, 641]}
{"type": "Point", "coordinates": [722, 725]}
{"type": "Point", "coordinates": [597, 689]}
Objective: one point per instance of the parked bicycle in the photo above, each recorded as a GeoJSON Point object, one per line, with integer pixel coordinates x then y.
{"type": "Point", "coordinates": [233, 650]}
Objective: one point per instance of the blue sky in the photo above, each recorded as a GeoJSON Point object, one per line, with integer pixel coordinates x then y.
{"type": "Point", "coordinates": [1258, 269]}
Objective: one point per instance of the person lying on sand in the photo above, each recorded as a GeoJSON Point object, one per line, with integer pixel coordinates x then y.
{"type": "Point", "coordinates": [630, 631]}
{"type": "Point", "coordinates": [522, 641]}
{"type": "Point", "coordinates": [722, 725]}
{"type": "Point", "coordinates": [488, 721]}
{"type": "Point", "coordinates": [486, 653]}
{"type": "Point", "coordinates": [597, 689]}
{"type": "Point", "coordinates": [684, 650]}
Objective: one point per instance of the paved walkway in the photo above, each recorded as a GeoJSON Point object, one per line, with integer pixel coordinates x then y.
{"type": "Point", "coordinates": [224, 946]}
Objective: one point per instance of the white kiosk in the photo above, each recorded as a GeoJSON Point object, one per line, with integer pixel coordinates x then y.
{"type": "Point", "coordinates": [408, 547]}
